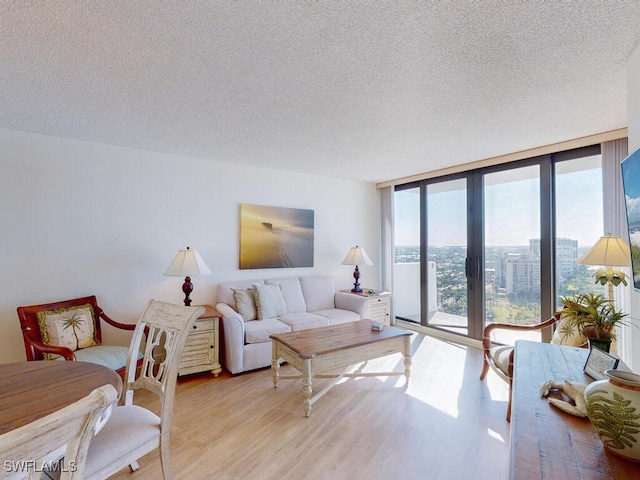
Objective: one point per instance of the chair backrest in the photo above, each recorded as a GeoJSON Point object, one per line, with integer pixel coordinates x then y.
{"type": "Point", "coordinates": [164, 327]}
{"type": "Point", "coordinates": [28, 316]}
{"type": "Point", "coordinates": [29, 447]}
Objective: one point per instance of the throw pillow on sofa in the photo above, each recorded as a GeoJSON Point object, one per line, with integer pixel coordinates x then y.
{"type": "Point", "coordinates": [245, 303]}
{"type": "Point", "coordinates": [269, 301]}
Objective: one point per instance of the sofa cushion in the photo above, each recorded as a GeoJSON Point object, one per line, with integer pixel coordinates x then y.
{"type": "Point", "coordinates": [225, 294]}
{"type": "Point", "coordinates": [303, 320]}
{"type": "Point", "coordinates": [319, 292]}
{"type": "Point", "coordinates": [257, 331]}
{"type": "Point", "coordinates": [245, 299]}
{"type": "Point", "coordinates": [291, 292]}
{"type": "Point", "coordinates": [336, 315]}
{"type": "Point", "coordinates": [269, 301]}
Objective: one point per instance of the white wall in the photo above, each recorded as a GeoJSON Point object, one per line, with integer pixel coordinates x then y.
{"type": "Point", "coordinates": [81, 218]}
{"type": "Point", "coordinates": [633, 99]}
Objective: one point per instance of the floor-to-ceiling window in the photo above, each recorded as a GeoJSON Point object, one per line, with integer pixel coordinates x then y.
{"type": "Point", "coordinates": [579, 222]}
{"type": "Point", "coordinates": [511, 246]}
{"type": "Point", "coordinates": [496, 244]}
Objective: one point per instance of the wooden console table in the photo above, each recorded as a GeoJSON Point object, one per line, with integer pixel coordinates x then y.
{"type": "Point", "coordinates": [545, 441]}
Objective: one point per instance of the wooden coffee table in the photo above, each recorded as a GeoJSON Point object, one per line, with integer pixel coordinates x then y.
{"type": "Point", "coordinates": [317, 350]}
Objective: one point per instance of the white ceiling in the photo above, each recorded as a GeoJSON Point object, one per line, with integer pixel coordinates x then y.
{"type": "Point", "coordinates": [354, 89]}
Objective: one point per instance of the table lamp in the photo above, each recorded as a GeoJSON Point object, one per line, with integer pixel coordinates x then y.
{"type": "Point", "coordinates": [610, 251]}
{"type": "Point", "coordinates": [356, 256]}
{"type": "Point", "coordinates": [188, 263]}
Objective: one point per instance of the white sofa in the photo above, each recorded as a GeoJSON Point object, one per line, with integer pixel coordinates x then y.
{"type": "Point", "coordinates": [280, 305]}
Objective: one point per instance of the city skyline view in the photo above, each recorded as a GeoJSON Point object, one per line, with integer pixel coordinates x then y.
{"type": "Point", "coordinates": [482, 230]}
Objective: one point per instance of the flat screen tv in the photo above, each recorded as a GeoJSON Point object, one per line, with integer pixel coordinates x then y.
{"type": "Point", "coordinates": [631, 186]}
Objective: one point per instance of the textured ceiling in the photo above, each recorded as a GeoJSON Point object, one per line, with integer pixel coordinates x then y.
{"type": "Point", "coordinates": [363, 90]}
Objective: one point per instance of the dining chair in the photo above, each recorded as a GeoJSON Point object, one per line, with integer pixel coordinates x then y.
{"type": "Point", "coordinates": [71, 329]}
{"type": "Point", "coordinates": [133, 431]}
{"type": "Point", "coordinates": [499, 357]}
{"type": "Point", "coordinates": [26, 451]}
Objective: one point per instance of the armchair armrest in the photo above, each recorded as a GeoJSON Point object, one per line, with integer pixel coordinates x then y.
{"type": "Point", "coordinates": [354, 303]}
{"type": "Point", "coordinates": [65, 352]}
{"type": "Point", "coordinates": [490, 327]}
{"type": "Point", "coordinates": [122, 326]}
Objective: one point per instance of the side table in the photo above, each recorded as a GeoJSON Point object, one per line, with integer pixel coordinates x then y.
{"type": "Point", "coordinates": [380, 304]}
{"type": "Point", "coordinates": [201, 350]}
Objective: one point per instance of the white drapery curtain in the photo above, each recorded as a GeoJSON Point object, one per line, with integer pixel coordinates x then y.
{"type": "Point", "coordinates": [615, 218]}
{"type": "Point", "coordinates": [387, 242]}
{"type": "Point", "coordinates": [615, 222]}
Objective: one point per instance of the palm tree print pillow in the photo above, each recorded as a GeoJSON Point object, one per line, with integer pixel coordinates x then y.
{"type": "Point", "coordinates": [72, 327]}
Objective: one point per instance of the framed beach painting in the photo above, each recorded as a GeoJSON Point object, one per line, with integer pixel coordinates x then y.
{"type": "Point", "coordinates": [275, 237]}
{"type": "Point", "coordinates": [631, 185]}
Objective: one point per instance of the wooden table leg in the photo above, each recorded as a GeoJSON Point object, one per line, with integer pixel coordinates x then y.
{"type": "Point", "coordinates": [275, 364]}
{"type": "Point", "coordinates": [306, 386]}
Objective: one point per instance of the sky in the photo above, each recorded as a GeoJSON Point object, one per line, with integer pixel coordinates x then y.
{"type": "Point", "coordinates": [511, 210]}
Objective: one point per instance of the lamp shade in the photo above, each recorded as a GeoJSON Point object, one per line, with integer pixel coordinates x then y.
{"type": "Point", "coordinates": [187, 263]}
{"type": "Point", "coordinates": [609, 251]}
{"type": "Point", "coordinates": [357, 256]}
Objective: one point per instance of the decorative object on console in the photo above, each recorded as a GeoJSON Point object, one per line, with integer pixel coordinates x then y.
{"type": "Point", "coordinates": [357, 256]}
{"type": "Point", "coordinates": [613, 407]}
{"type": "Point", "coordinates": [599, 362]}
{"type": "Point", "coordinates": [574, 390]}
{"type": "Point", "coordinates": [593, 316]}
{"type": "Point", "coordinates": [609, 251]}
{"type": "Point", "coordinates": [275, 237]}
{"type": "Point", "coordinates": [187, 263]}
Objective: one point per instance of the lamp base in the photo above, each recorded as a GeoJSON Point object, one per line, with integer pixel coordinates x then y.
{"type": "Point", "coordinates": [187, 288]}
{"type": "Point", "coordinates": [356, 286]}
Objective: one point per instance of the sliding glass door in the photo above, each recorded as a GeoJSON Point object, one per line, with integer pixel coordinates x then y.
{"type": "Point", "coordinates": [407, 291]}
{"type": "Point", "coordinates": [446, 269]}
{"type": "Point", "coordinates": [511, 274]}
{"type": "Point", "coordinates": [482, 246]}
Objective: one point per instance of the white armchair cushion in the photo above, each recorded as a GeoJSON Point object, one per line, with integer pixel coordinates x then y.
{"type": "Point", "coordinates": [110, 356]}
{"type": "Point", "coordinates": [115, 440]}
{"type": "Point", "coordinates": [500, 355]}
{"type": "Point", "coordinates": [269, 301]}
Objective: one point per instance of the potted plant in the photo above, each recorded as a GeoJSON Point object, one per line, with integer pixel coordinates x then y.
{"type": "Point", "coordinates": [594, 317]}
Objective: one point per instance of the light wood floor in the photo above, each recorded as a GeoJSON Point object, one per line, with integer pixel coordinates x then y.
{"type": "Point", "coordinates": [446, 425]}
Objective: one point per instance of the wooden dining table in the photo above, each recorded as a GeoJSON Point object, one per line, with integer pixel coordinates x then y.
{"type": "Point", "coordinates": [32, 390]}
